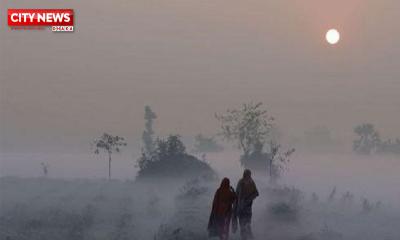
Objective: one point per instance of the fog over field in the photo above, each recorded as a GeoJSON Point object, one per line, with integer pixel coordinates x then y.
{"type": "Point", "coordinates": [80, 203]}
{"type": "Point", "coordinates": [375, 177]}
{"type": "Point", "coordinates": [125, 128]}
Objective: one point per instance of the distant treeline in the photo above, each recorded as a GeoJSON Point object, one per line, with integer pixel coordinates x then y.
{"type": "Point", "coordinates": [249, 127]}
{"type": "Point", "coordinates": [368, 141]}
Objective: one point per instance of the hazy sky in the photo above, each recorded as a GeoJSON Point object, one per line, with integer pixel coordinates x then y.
{"type": "Point", "coordinates": [191, 58]}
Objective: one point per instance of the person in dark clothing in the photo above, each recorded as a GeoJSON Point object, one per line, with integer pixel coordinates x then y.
{"type": "Point", "coordinates": [246, 191]}
{"type": "Point", "coordinates": [221, 212]}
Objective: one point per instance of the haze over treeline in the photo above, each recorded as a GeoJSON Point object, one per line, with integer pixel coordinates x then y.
{"type": "Point", "coordinates": [190, 59]}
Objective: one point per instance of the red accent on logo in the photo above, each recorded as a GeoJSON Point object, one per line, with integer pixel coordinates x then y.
{"type": "Point", "coordinates": [40, 17]}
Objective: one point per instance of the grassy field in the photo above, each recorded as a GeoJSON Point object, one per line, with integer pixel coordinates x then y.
{"type": "Point", "coordinates": [39, 208]}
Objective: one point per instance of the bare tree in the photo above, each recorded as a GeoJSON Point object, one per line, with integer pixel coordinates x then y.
{"type": "Point", "coordinates": [277, 160]}
{"type": "Point", "coordinates": [109, 144]}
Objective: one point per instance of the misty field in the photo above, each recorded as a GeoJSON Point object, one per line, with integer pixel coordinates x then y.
{"type": "Point", "coordinates": [40, 208]}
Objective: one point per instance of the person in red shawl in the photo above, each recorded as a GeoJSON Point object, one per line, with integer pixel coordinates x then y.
{"type": "Point", "coordinates": [221, 213]}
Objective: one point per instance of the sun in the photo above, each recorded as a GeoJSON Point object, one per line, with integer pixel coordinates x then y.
{"type": "Point", "coordinates": [332, 36]}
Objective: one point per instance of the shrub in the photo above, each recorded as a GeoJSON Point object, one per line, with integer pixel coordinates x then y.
{"type": "Point", "coordinates": [170, 160]}
{"type": "Point", "coordinates": [283, 211]}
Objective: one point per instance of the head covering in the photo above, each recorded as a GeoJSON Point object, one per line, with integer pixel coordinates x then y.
{"type": "Point", "coordinates": [247, 173]}
{"type": "Point", "coordinates": [225, 183]}
{"type": "Point", "coordinates": [246, 188]}
{"type": "Point", "coordinates": [218, 224]}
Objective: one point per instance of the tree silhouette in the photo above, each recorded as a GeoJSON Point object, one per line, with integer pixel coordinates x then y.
{"type": "Point", "coordinates": [148, 133]}
{"type": "Point", "coordinates": [277, 160]}
{"type": "Point", "coordinates": [250, 126]}
{"type": "Point", "coordinates": [169, 159]}
{"type": "Point", "coordinates": [253, 129]}
{"type": "Point", "coordinates": [368, 139]}
{"type": "Point", "coordinates": [204, 144]}
{"type": "Point", "coordinates": [109, 144]}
